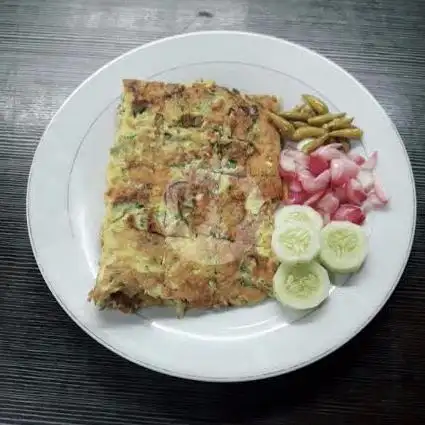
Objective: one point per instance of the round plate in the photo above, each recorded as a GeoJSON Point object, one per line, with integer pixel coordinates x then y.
{"type": "Point", "coordinates": [65, 209]}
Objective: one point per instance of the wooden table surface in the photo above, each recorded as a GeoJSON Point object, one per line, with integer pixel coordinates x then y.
{"type": "Point", "coordinates": [53, 373]}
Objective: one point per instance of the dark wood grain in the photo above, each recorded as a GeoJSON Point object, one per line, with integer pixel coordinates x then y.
{"type": "Point", "coordinates": [50, 371]}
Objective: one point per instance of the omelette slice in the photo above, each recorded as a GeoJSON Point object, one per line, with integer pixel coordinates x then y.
{"type": "Point", "coordinates": [192, 186]}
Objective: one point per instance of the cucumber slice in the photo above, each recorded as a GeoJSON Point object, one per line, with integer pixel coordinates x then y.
{"type": "Point", "coordinates": [298, 214]}
{"type": "Point", "coordinates": [295, 243]}
{"type": "Point", "coordinates": [301, 286]}
{"type": "Point", "coordinates": [343, 246]}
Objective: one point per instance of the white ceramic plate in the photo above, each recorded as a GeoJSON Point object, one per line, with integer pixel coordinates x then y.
{"type": "Point", "coordinates": [65, 208]}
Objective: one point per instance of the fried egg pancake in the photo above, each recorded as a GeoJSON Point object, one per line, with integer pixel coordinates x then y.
{"type": "Point", "coordinates": [192, 187]}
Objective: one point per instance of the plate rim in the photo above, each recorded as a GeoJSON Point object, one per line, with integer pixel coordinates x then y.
{"type": "Point", "coordinates": [271, 373]}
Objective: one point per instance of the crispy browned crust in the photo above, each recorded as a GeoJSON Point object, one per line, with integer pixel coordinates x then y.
{"type": "Point", "coordinates": [227, 126]}
{"type": "Point", "coordinates": [131, 266]}
{"type": "Point", "coordinates": [121, 300]}
{"type": "Point", "coordinates": [207, 272]}
{"type": "Point", "coordinates": [189, 276]}
{"type": "Point", "coordinates": [266, 101]}
{"type": "Point", "coordinates": [248, 278]}
{"type": "Point", "coordinates": [243, 205]}
{"type": "Point", "coordinates": [190, 202]}
{"type": "Point", "coordinates": [184, 163]}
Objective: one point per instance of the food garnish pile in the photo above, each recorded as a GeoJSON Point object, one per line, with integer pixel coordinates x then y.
{"type": "Point", "coordinates": [329, 191]}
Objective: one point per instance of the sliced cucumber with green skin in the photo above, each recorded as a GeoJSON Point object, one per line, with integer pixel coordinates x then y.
{"type": "Point", "coordinates": [343, 247]}
{"type": "Point", "coordinates": [298, 214]}
{"type": "Point", "coordinates": [301, 286]}
{"type": "Point", "coordinates": [296, 243]}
